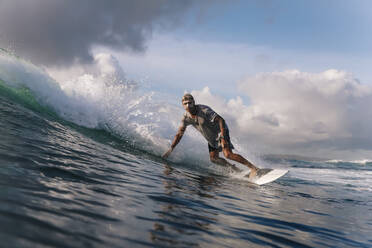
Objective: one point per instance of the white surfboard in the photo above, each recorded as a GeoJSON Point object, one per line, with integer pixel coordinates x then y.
{"type": "Point", "coordinates": [267, 175]}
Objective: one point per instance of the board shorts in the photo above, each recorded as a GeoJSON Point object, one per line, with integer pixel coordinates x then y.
{"type": "Point", "coordinates": [219, 148]}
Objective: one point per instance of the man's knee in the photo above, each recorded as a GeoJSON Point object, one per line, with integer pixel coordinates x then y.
{"type": "Point", "coordinates": [228, 154]}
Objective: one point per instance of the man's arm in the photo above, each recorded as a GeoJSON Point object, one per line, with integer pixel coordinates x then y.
{"type": "Point", "coordinates": [221, 123]}
{"type": "Point", "coordinates": [176, 140]}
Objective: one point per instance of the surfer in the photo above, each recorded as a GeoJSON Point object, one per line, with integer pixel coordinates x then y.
{"type": "Point", "coordinates": [214, 129]}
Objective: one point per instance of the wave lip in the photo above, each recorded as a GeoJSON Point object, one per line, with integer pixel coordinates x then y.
{"type": "Point", "coordinates": [361, 161]}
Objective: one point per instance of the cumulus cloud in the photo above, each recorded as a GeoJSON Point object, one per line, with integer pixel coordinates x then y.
{"type": "Point", "coordinates": [295, 111]}
{"type": "Point", "coordinates": [61, 32]}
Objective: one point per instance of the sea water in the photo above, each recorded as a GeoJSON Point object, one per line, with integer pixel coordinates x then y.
{"type": "Point", "coordinates": [82, 168]}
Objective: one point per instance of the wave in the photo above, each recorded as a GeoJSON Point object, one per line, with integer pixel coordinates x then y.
{"type": "Point", "coordinates": [360, 162]}
{"type": "Point", "coordinates": [103, 99]}
{"type": "Point", "coordinates": [350, 179]}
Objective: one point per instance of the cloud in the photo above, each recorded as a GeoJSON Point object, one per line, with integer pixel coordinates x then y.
{"type": "Point", "coordinates": [57, 32]}
{"type": "Point", "coordinates": [299, 112]}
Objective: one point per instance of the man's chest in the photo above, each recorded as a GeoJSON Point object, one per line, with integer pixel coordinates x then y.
{"type": "Point", "coordinates": [197, 120]}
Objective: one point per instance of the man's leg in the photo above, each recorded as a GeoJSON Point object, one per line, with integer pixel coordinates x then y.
{"type": "Point", "coordinates": [215, 158]}
{"type": "Point", "coordinates": [238, 158]}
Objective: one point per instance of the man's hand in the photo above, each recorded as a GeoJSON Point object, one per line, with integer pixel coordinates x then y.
{"type": "Point", "coordinates": [165, 155]}
{"type": "Point", "coordinates": [176, 139]}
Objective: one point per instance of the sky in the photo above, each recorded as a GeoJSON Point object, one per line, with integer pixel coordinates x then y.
{"type": "Point", "coordinates": [294, 76]}
{"type": "Point", "coordinates": [247, 37]}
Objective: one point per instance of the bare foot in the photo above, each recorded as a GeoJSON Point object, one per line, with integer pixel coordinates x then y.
{"type": "Point", "coordinates": [253, 173]}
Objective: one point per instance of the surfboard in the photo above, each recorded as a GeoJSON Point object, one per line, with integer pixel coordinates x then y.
{"type": "Point", "coordinates": [266, 175]}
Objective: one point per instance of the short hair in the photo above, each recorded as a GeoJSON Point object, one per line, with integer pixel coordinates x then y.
{"type": "Point", "coordinates": [188, 96]}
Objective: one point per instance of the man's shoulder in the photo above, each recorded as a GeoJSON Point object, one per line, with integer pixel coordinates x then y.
{"type": "Point", "coordinates": [203, 107]}
{"type": "Point", "coordinates": [207, 112]}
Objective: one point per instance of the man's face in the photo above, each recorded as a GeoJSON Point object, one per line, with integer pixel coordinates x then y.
{"type": "Point", "coordinates": [188, 104]}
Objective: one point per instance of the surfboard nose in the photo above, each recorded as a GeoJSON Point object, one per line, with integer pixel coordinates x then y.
{"type": "Point", "coordinates": [267, 175]}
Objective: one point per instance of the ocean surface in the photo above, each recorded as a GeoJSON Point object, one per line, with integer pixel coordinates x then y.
{"type": "Point", "coordinates": [82, 176]}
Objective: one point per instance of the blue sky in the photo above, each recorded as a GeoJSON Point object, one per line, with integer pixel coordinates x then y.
{"type": "Point", "coordinates": [328, 25]}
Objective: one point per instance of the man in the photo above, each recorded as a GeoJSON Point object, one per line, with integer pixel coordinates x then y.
{"type": "Point", "coordinates": [215, 131]}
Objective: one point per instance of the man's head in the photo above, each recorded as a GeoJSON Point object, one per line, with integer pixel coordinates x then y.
{"type": "Point", "coordinates": [188, 102]}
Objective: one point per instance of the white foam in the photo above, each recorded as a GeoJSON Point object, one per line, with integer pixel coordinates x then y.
{"type": "Point", "coordinates": [241, 175]}
{"type": "Point", "coordinates": [361, 161]}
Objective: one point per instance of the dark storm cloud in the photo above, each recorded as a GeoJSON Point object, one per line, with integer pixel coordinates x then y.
{"type": "Point", "coordinates": [63, 31]}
